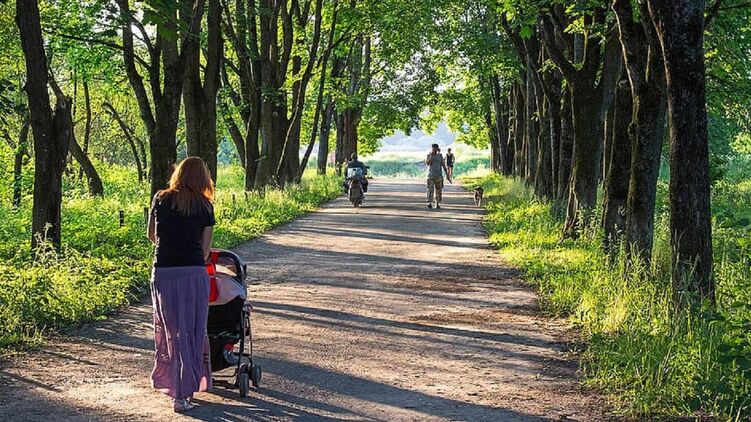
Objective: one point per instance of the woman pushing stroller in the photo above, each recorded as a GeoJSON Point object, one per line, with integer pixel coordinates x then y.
{"type": "Point", "coordinates": [181, 226]}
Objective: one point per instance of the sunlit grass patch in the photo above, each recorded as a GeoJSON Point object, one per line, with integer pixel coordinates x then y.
{"type": "Point", "coordinates": [104, 265]}
{"type": "Point", "coordinates": [652, 360]}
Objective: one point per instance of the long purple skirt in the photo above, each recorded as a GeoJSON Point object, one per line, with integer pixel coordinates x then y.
{"type": "Point", "coordinates": [181, 305]}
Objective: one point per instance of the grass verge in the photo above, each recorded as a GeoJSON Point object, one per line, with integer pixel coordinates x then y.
{"type": "Point", "coordinates": [103, 265]}
{"type": "Point", "coordinates": [651, 361]}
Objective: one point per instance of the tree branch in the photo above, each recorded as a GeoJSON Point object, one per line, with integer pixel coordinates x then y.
{"type": "Point", "coordinates": [556, 55]}
{"type": "Point", "coordinates": [98, 42]}
{"type": "Point", "coordinates": [712, 13]}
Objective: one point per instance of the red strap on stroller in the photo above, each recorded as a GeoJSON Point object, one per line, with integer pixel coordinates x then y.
{"type": "Point", "coordinates": [211, 269]}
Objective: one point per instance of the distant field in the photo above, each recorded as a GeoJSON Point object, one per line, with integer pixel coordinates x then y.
{"type": "Point", "coordinates": [412, 165]}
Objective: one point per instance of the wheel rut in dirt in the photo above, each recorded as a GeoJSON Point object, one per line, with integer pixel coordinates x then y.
{"type": "Point", "coordinates": [390, 312]}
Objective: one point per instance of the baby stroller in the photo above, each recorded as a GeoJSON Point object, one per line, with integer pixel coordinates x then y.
{"type": "Point", "coordinates": [229, 320]}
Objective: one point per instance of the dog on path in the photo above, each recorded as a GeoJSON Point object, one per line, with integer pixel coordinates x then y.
{"type": "Point", "coordinates": [478, 196]}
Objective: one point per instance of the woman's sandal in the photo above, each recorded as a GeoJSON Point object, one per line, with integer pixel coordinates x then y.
{"type": "Point", "coordinates": [181, 405]}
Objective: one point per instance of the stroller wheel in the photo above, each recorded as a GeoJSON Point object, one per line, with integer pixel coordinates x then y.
{"type": "Point", "coordinates": [243, 381]}
{"type": "Point", "coordinates": [255, 375]}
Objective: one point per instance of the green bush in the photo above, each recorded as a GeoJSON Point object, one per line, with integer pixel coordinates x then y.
{"type": "Point", "coordinates": [102, 265]}
{"type": "Point", "coordinates": [652, 360]}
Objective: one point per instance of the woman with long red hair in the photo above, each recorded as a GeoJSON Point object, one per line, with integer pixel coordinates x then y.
{"type": "Point", "coordinates": [181, 226]}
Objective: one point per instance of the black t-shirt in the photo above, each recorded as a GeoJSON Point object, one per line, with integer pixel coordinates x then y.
{"type": "Point", "coordinates": [178, 238]}
{"type": "Point", "coordinates": [450, 159]}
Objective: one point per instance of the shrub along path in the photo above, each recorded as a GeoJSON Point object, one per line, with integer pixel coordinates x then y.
{"type": "Point", "coordinates": [389, 312]}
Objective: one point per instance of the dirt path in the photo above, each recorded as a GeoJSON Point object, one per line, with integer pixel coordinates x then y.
{"type": "Point", "coordinates": [391, 312]}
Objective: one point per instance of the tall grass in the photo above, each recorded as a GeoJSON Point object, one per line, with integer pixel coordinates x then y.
{"type": "Point", "coordinates": [653, 361]}
{"type": "Point", "coordinates": [103, 265]}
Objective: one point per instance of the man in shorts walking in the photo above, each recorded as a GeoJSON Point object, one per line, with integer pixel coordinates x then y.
{"type": "Point", "coordinates": [436, 167]}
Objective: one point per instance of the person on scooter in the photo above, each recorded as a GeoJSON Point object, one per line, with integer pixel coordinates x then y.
{"type": "Point", "coordinates": [354, 163]}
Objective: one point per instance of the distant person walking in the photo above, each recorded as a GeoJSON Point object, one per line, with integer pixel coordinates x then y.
{"type": "Point", "coordinates": [450, 163]}
{"type": "Point", "coordinates": [436, 166]}
{"type": "Point", "coordinates": [181, 226]}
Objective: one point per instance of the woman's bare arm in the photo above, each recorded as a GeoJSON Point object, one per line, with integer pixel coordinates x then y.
{"type": "Point", "coordinates": [151, 225]}
{"type": "Point", "coordinates": [208, 233]}
{"type": "Point", "coordinates": [151, 228]}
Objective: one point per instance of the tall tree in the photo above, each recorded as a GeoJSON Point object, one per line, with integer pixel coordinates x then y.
{"type": "Point", "coordinates": [680, 30]}
{"type": "Point", "coordinates": [323, 107]}
{"type": "Point", "coordinates": [275, 56]}
{"type": "Point", "coordinates": [590, 78]}
{"type": "Point", "coordinates": [241, 28]}
{"type": "Point", "coordinates": [200, 96]}
{"type": "Point", "coordinates": [646, 75]}
{"type": "Point", "coordinates": [357, 88]}
{"type": "Point", "coordinates": [96, 188]}
{"type": "Point", "coordinates": [51, 130]}
{"type": "Point", "coordinates": [132, 142]}
{"type": "Point", "coordinates": [616, 183]}
{"type": "Point", "coordinates": [19, 155]}
{"type": "Point", "coordinates": [289, 165]}
{"type": "Point", "coordinates": [166, 73]}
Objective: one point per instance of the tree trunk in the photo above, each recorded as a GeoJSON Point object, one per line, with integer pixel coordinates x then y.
{"type": "Point", "coordinates": [291, 169]}
{"type": "Point", "coordinates": [350, 120]}
{"type": "Point", "coordinates": [566, 148]}
{"type": "Point", "coordinates": [357, 90]}
{"type": "Point", "coordinates": [313, 135]}
{"type": "Point", "coordinates": [338, 153]}
{"type": "Point", "coordinates": [87, 124]}
{"type": "Point", "coordinates": [289, 155]}
{"type": "Point", "coordinates": [591, 95]}
{"type": "Point", "coordinates": [554, 99]}
{"type": "Point", "coordinates": [501, 121]}
{"type": "Point", "coordinates": [324, 106]}
{"type": "Point", "coordinates": [531, 132]}
{"type": "Point", "coordinates": [273, 68]}
{"type": "Point", "coordinates": [166, 69]}
{"type": "Point", "coordinates": [199, 97]}
{"type": "Point", "coordinates": [544, 172]}
{"type": "Point", "coordinates": [585, 164]}
{"type": "Point", "coordinates": [608, 144]}
{"type": "Point", "coordinates": [616, 189]}
{"type": "Point", "coordinates": [519, 130]}
{"type": "Point", "coordinates": [505, 146]}
{"type": "Point", "coordinates": [234, 133]}
{"type": "Point", "coordinates": [680, 29]}
{"type": "Point", "coordinates": [22, 151]}
{"type": "Point", "coordinates": [645, 68]}
{"type": "Point", "coordinates": [242, 33]}
{"type": "Point", "coordinates": [129, 137]}
{"type": "Point", "coordinates": [590, 103]}
{"type": "Point", "coordinates": [141, 152]}
{"type": "Point", "coordinates": [314, 129]}
{"type": "Point", "coordinates": [493, 136]}
{"type": "Point", "coordinates": [648, 130]}
{"type": "Point", "coordinates": [508, 165]}
{"type": "Point", "coordinates": [323, 143]}
{"type": "Point", "coordinates": [330, 115]}
{"type": "Point", "coordinates": [51, 130]}
{"type": "Point", "coordinates": [163, 146]}
{"type": "Point", "coordinates": [92, 177]}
